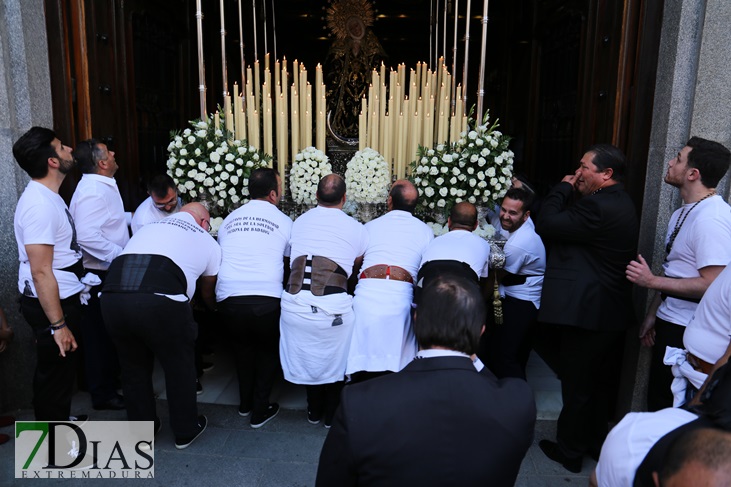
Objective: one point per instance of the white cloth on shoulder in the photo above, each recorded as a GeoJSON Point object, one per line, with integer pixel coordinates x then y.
{"type": "Point", "coordinates": [683, 372]}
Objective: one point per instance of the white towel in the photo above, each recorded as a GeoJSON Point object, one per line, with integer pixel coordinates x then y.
{"type": "Point", "coordinates": [683, 372]}
{"type": "Point", "coordinates": [89, 281]}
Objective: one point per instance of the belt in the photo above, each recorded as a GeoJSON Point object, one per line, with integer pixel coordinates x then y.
{"type": "Point", "coordinates": [664, 296]}
{"type": "Point", "coordinates": [699, 364]}
{"type": "Point", "coordinates": [319, 275]}
{"type": "Point", "coordinates": [384, 271]}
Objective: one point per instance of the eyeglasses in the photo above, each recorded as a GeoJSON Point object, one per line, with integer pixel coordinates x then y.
{"type": "Point", "coordinates": [207, 224]}
{"type": "Point", "coordinates": [172, 201]}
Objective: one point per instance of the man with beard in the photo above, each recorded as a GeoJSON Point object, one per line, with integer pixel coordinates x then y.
{"type": "Point", "coordinates": [49, 272]}
{"type": "Point", "coordinates": [508, 345]}
{"type": "Point", "coordinates": [698, 247]}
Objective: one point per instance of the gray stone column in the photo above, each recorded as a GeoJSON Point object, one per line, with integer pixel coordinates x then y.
{"type": "Point", "coordinates": [692, 94]}
{"type": "Point", "coordinates": [25, 100]}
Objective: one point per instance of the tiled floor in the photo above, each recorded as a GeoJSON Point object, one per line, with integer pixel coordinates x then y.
{"type": "Point", "coordinates": [221, 387]}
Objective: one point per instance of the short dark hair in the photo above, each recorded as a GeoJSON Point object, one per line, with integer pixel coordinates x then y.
{"type": "Point", "coordinates": [607, 156]}
{"type": "Point", "coordinates": [399, 200]}
{"type": "Point", "coordinates": [710, 158]}
{"type": "Point", "coordinates": [451, 314]}
{"type": "Point", "coordinates": [33, 149]}
{"type": "Point", "coordinates": [261, 182]}
{"type": "Point", "coordinates": [463, 214]}
{"type": "Point", "coordinates": [160, 184]}
{"type": "Point", "coordinates": [709, 447]}
{"type": "Point", "coordinates": [330, 190]}
{"type": "Point", "coordinates": [87, 154]}
{"type": "Point", "coordinates": [522, 195]}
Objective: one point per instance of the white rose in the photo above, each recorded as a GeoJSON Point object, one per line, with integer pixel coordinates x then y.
{"type": "Point", "coordinates": [208, 182]}
{"type": "Point", "coordinates": [473, 158]}
{"type": "Point", "coordinates": [189, 185]}
{"type": "Point", "coordinates": [472, 200]}
{"type": "Point", "coordinates": [200, 177]}
{"type": "Point", "coordinates": [192, 173]}
{"type": "Point", "coordinates": [235, 199]}
{"type": "Point", "coordinates": [215, 157]}
{"type": "Point", "coordinates": [234, 180]}
{"type": "Point", "coordinates": [490, 172]}
{"type": "Point", "coordinates": [434, 171]}
{"type": "Point", "coordinates": [453, 191]}
{"type": "Point", "coordinates": [186, 132]}
{"type": "Point", "coordinates": [224, 176]}
{"type": "Point", "coordinates": [183, 151]}
{"type": "Point", "coordinates": [230, 157]}
{"type": "Point", "coordinates": [472, 135]}
{"type": "Point", "coordinates": [470, 170]}
{"type": "Point", "coordinates": [182, 188]}
{"type": "Point", "coordinates": [453, 180]}
{"type": "Point", "coordinates": [447, 158]}
{"type": "Point", "coordinates": [201, 134]}
{"type": "Point", "coordinates": [472, 183]}
{"type": "Point", "coordinates": [441, 203]}
{"type": "Point", "coordinates": [178, 172]}
{"type": "Point", "coordinates": [479, 142]}
{"type": "Point", "coordinates": [429, 192]}
{"type": "Point", "coordinates": [209, 144]}
{"type": "Point", "coordinates": [439, 181]}
{"type": "Point", "coordinates": [190, 162]}
{"type": "Point", "coordinates": [191, 139]}
{"type": "Point", "coordinates": [249, 164]}
{"type": "Point", "coordinates": [443, 192]}
{"type": "Point", "coordinates": [192, 193]}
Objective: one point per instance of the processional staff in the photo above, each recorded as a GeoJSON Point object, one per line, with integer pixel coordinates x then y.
{"type": "Point", "coordinates": [223, 54]}
{"type": "Point", "coordinates": [481, 91]}
{"type": "Point", "coordinates": [466, 54]}
{"type": "Point", "coordinates": [201, 67]}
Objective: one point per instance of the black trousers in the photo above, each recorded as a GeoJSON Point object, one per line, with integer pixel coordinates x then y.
{"type": "Point", "coordinates": [505, 348]}
{"type": "Point", "coordinates": [660, 379]}
{"type": "Point", "coordinates": [53, 382]}
{"type": "Point", "coordinates": [145, 327]}
{"type": "Point", "coordinates": [589, 368]}
{"type": "Point", "coordinates": [100, 355]}
{"type": "Point", "coordinates": [324, 399]}
{"type": "Point", "coordinates": [252, 323]}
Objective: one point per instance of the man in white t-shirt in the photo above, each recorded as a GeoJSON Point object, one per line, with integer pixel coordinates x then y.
{"type": "Point", "coordinates": [254, 243]}
{"type": "Point", "coordinates": [49, 272]}
{"type": "Point", "coordinates": [383, 339]}
{"type": "Point", "coordinates": [162, 202]}
{"type": "Point", "coordinates": [629, 442]}
{"type": "Point", "coordinates": [507, 346]}
{"type": "Point", "coordinates": [102, 228]}
{"type": "Point", "coordinates": [459, 250]}
{"type": "Point", "coordinates": [698, 246]}
{"type": "Point", "coordinates": [146, 307]}
{"type": "Point", "coordinates": [317, 315]}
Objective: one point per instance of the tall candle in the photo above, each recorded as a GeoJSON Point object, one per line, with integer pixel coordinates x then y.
{"type": "Point", "coordinates": [257, 85]}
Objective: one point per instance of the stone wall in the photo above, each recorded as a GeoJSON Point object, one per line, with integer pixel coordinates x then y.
{"type": "Point", "coordinates": [25, 100]}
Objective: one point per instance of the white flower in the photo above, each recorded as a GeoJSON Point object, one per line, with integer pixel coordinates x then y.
{"type": "Point", "coordinates": [192, 193]}
{"type": "Point", "coordinates": [234, 180]}
{"type": "Point", "coordinates": [472, 200]}
{"type": "Point", "coordinates": [434, 171]}
{"type": "Point", "coordinates": [441, 203]}
{"type": "Point", "coordinates": [439, 181]}
{"type": "Point", "coordinates": [209, 144]}
{"type": "Point", "coordinates": [183, 151]}
{"type": "Point", "coordinates": [235, 198]}
{"type": "Point", "coordinates": [443, 192]}
{"type": "Point", "coordinates": [215, 157]}
{"type": "Point", "coordinates": [191, 139]}
{"type": "Point", "coordinates": [208, 182]}
{"type": "Point", "coordinates": [182, 188]}
{"type": "Point", "coordinates": [447, 158]}
{"type": "Point", "coordinates": [472, 135]}
{"type": "Point", "coordinates": [179, 172]}
{"type": "Point", "coordinates": [453, 181]}
{"type": "Point", "coordinates": [490, 172]}
{"type": "Point", "coordinates": [186, 132]}
{"type": "Point", "coordinates": [189, 185]}
{"type": "Point", "coordinates": [230, 157]}
{"type": "Point", "coordinates": [455, 171]}
{"type": "Point", "coordinates": [479, 142]}
{"type": "Point", "coordinates": [429, 192]}
{"type": "Point", "coordinates": [224, 176]}
{"type": "Point", "coordinates": [192, 173]}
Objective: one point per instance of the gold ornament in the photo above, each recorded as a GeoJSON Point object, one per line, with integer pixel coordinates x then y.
{"type": "Point", "coordinates": [349, 18]}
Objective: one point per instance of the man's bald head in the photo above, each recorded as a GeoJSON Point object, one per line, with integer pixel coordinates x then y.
{"type": "Point", "coordinates": [463, 217]}
{"type": "Point", "coordinates": [200, 214]}
{"type": "Point", "coordinates": [403, 196]}
{"type": "Point", "coordinates": [331, 190]}
{"type": "Point", "coordinates": [697, 457]}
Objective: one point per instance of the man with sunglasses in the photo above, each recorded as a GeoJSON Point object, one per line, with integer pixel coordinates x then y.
{"type": "Point", "coordinates": [103, 231]}
{"type": "Point", "coordinates": [163, 201]}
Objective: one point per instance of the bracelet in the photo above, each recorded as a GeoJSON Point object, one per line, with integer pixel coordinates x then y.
{"type": "Point", "coordinates": [61, 320]}
{"type": "Point", "coordinates": [55, 328]}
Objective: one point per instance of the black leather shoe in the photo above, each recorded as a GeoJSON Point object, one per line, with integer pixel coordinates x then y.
{"type": "Point", "coordinates": [116, 403]}
{"type": "Point", "coordinates": [553, 452]}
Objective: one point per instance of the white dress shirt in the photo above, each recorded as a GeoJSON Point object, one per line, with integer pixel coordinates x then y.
{"type": "Point", "coordinates": [101, 222]}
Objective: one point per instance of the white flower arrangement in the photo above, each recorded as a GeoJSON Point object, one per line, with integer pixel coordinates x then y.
{"type": "Point", "coordinates": [477, 168]}
{"type": "Point", "coordinates": [484, 230]}
{"type": "Point", "coordinates": [310, 165]}
{"type": "Point", "coordinates": [367, 177]}
{"type": "Point", "coordinates": [208, 164]}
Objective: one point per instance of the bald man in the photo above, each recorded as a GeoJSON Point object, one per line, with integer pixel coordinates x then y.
{"type": "Point", "coordinates": [317, 318]}
{"type": "Point", "coordinates": [146, 306]}
{"type": "Point", "coordinates": [383, 340]}
{"type": "Point", "coordinates": [459, 251]}
{"type": "Point", "coordinates": [699, 457]}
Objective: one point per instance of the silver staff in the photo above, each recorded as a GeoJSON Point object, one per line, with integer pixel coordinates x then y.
{"type": "Point", "coordinates": [466, 56]}
{"type": "Point", "coordinates": [201, 67]}
{"type": "Point", "coordinates": [223, 51]}
{"type": "Point", "coordinates": [481, 91]}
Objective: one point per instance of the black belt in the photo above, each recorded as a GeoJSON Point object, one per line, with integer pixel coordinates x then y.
{"type": "Point", "coordinates": [76, 268]}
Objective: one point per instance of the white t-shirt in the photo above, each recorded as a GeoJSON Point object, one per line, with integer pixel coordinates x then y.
{"type": "Point", "coordinates": [525, 255]}
{"type": "Point", "coordinates": [329, 232]}
{"type": "Point", "coordinates": [397, 238]}
{"type": "Point", "coordinates": [703, 240]}
{"type": "Point", "coordinates": [709, 331]}
{"type": "Point", "coordinates": [254, 239]}
{"type": "Point", "coordinates": [147, 212]}
{"type": "Point", "coordinates": [462, 246]}
{"type": "Point", "coordinates": [629, 442]}
{"type": "Point", "coordinates": [101, 222]}
{"type": "Point", "coordinates": [179, 238]}
{"type": "Point", "coordinates": [42, 217]}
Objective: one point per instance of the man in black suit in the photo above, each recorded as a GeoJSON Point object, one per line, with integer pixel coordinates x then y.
{"type": "Point", "coordinates": [438, 421]}
{"type": "Point", "coordinates": [591, 241]}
